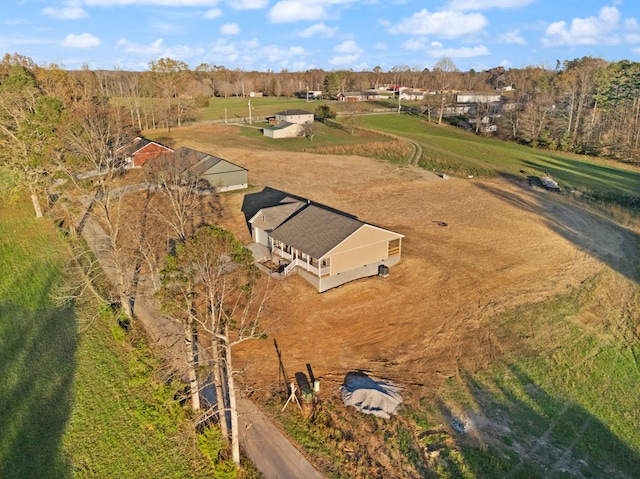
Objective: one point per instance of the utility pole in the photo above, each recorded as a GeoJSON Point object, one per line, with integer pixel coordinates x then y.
{"type": "Point", "coordinates": [250, 112]}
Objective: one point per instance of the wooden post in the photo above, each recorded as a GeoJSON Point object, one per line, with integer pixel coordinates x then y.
{"type": "Point", "coordinates": [281, 372]}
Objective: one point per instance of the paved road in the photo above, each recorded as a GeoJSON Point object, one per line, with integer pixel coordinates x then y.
{"type": "Point", "coordinates": [270, 451]}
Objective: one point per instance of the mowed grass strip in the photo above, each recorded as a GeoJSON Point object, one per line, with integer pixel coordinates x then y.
{"type": "Point", "coordinates": [37, 347]}
{"type": "Point", "coordinates": [455, 151]}
{"type": "Point", "coordinates": [566, 400]}
{"type": "Point", "coordinates": [76, 400]}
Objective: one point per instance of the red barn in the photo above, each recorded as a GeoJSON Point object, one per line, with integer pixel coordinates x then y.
{"type": "Point", "coordinates": [138, 151]}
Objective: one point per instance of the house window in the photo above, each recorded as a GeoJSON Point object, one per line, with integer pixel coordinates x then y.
{"type": "Point", "coordinates": [326, 263]}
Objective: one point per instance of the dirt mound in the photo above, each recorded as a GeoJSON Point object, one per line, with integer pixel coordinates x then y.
{"type": "Point", "coordinates": [370, 396]}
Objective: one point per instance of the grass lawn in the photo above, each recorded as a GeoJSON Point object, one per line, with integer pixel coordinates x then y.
{"type": "Point", "coordinates": [457, 152]}
{"type": "Point", "coordinates": [568, 401]}
{"type": "Point", "coordinates": [37, 346]}
{"type": "Point", "coordinates": [76, 400]}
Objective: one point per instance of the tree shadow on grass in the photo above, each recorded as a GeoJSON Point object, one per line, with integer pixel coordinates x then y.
{"type": "Point", "coordinates": [508, 426]}
{"type": "Point", "coordinates": [589, 231]}
{"type": "Point", "coordinates": [36, 386]}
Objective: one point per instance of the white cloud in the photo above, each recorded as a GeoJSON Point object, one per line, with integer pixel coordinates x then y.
{"type": "Point", "coordinates": [512, 37]}
{"type": "Point", "coordinates": [154, 48]}
{"type": "Point", "coordinates": [230, 29]}
{"type": "Point", "coordinates": [84, 40]}
{"type": "Point", "coordinates": [344, 60]}
{"type": "Point", "coordinates": [160, 3]}
{"type": "Point", "coordinates": [65, 13]}
{"type": "Point", "coordinates": [436, 50]}
{"type": "Point", "coordinates": [351, 52]}
{"type": "Point", "coordinates": [294, 10]}
{"type": "Point", "coordinates": [319, 29]}
{"type": "Point", "coordinates": [463, 5]}
{"type": "Point", "coordinates": [213, 13]}
{"type": "Point", "coordinates": [250, 54]}
{"type": "Point", "coordinates": [633, 31]}
{"type": "Point", "coordinates": [157, 49]}
{"type": "Point", "coordinates": [381, 46]}
{"type": "Point", "coordinates": [414, 44]}
{"type": "Point", "coordinates": [249, 4]}
{"type": "Point", "coordinates": [348, 46]}
{"type": "Point", "coordinates": [598, 30]}
{"type": "Point", "coordinates": [443, 24]}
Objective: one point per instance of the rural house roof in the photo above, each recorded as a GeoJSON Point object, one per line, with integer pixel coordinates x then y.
{"type": "Point", "coordinates": [137, 144]}
{"type": "Point", "coordinates": [200, 162]}
{"type": "Point", "coordinates": [274, 216]}
{"type": "Point", "coordinates": [316, 230]}
{"type": "Point", "coordinates": [293, 112]}
{"type": "Point", "coordinates": [281, 126]}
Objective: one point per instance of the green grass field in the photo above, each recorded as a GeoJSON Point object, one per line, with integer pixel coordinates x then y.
{"type": "Point", "coordinates": [37, 347]}
{"type": "Point", "coordinates": [233, 108]}
{"type": "Point", "coordinates": [457, 152]}
{"type": "Point", "coordinates": [76, 401]}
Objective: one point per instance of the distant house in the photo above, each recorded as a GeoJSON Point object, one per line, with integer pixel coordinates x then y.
{"type": "Point", "coordinates": [283, 130]}
{"type": "Point", "coordinates": [299, 117]}
{"type": "Point", "coordinates": [140, 150]}
{"type": "Point", "coordinates": [325, 246]}
{"type": "Point", "coordinates": [477, 97]}
{"type": "Point", "coordinates": [412, 95]}
{"type": "Point", "coordinates": [288, 124]}
{"type": "Point", "coordinates": [309, 94]}
{"type": "Point", "coordinates": [359, 96]}
{"type": "Point", "coordinates": [216, 173]}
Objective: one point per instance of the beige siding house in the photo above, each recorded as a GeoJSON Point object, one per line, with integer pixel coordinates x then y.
{"type": "Point", "coordinates": [288, 124]}
{"type": "Point", "coordinates": [283, 129]}
{"type": "Point", "coordinates": [297, 116]}
{"type": "Point", "coordinates": [325, 246]}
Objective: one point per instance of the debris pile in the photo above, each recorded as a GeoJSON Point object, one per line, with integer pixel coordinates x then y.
{"type": "Point", "coordinates": [380, 398]}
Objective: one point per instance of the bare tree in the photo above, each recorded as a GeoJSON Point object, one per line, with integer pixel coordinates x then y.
{"type": "Point", "coordinates": [221, 291]}
{"type": "Point", "coordinates": [95, 130]}
{"type": "Point", "coordinates": [182, 191]}
{"type": "Point", "coordinates": [443, 72]}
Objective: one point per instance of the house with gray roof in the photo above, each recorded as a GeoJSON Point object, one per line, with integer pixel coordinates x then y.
{"type": "Point", "coordinates": [288, 123]}
{"type": "Point", "coordinates": [325, 246]}
{"type": "Point", "coordinates": [214, 172]}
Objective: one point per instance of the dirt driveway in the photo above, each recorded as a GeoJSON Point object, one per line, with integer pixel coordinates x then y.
{"type": "Point", "coordinates": [473, 248]}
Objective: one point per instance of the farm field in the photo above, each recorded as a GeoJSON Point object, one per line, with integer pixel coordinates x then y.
{"type": "Point", "coordinates": [511, 321]}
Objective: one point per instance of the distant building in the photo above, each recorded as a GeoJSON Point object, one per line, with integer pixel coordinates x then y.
{"type": "Point", "coordinates": [140, 150]}
{"type": "Point", "coordinates": [288, 124]}
{"type": "Point", "coordinates": [215, 173]}
{"type": "Point", "coordinates": [325, 246]}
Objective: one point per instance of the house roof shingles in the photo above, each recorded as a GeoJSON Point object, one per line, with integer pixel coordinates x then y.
{"type": "Point", "coordinates": [274, 216]}
{"type": "Point", "coordinates": [316, 230]}
{"type": "Point", "coordinates": [199, 162]}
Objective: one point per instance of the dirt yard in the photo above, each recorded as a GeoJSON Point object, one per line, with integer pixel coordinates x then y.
{"type": "Point", "coordinates": [472, 248]}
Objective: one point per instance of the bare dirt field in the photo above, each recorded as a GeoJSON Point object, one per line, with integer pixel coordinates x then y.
{"type": "Point", "coordinates": [472, 248]}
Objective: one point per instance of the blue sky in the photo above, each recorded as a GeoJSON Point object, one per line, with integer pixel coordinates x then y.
{"type": "Point", "coordinates": [329, 34]}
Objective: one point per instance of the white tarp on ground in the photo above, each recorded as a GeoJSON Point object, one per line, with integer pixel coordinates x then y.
{"type": "Point", "coordinates": [380, 398]}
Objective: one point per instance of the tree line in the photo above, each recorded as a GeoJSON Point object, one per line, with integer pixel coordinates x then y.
{"type": "Point", "coordinates": [586, 105]}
